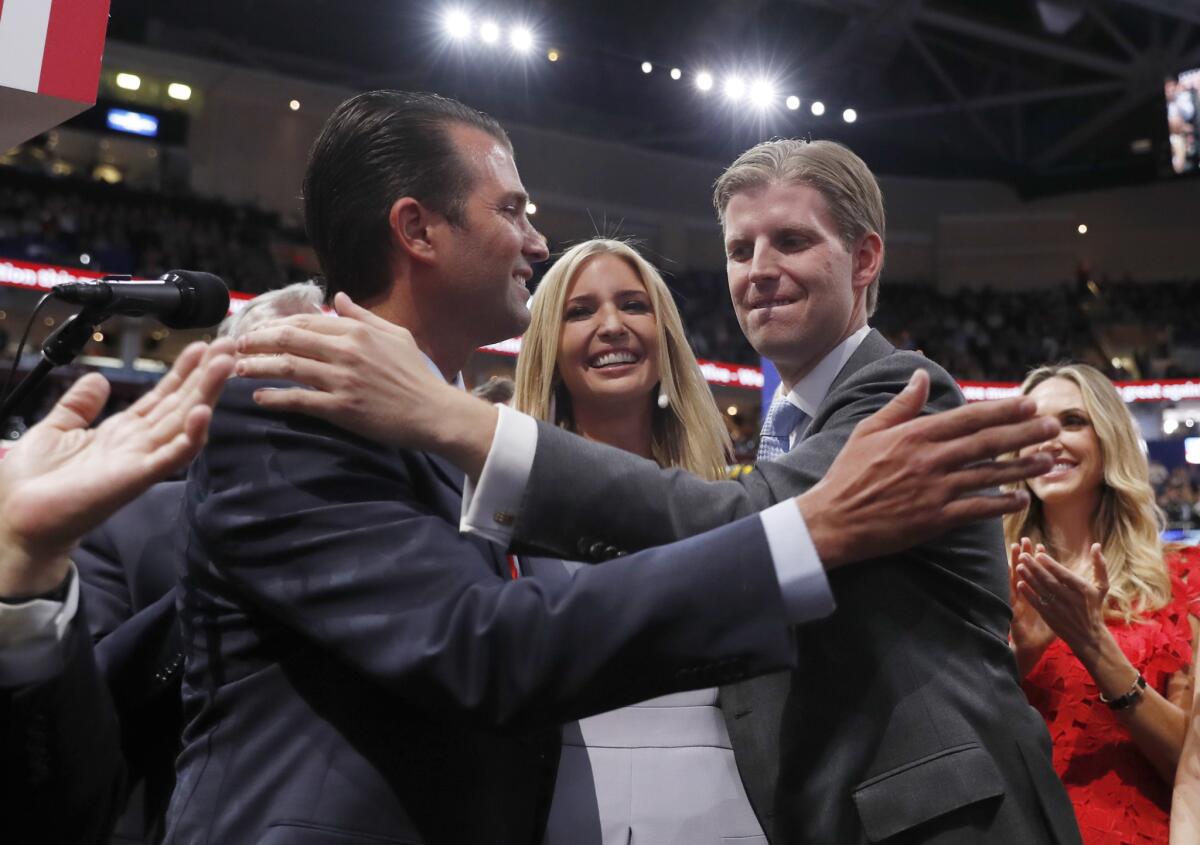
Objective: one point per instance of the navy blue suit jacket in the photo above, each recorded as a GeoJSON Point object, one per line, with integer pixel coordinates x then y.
{"type": "Point", "coordinates": [106, 728]}
{"type": "Point", "coordinates": [358, 671]}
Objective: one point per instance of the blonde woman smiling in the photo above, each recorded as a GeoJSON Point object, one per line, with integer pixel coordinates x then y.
{"type": "Point", "coordinates": [605, 356]}
{"type": "Point", "coordinates": [1102, 615]}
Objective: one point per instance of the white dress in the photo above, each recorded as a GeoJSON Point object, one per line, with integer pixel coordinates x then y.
{"type": "Point", "coordinates": [660, 772]}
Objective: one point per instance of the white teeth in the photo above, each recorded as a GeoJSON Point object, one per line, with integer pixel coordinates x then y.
{"type": "Point", "coordinates": [1058, 467]}
{"type": "Point", "coordinates": [610, 358]}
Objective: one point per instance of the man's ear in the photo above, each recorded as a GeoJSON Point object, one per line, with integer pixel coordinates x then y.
{"type": "Point", "coordinates": [868, 259]}
{"type": "Point", "coordinates": [411, 225]}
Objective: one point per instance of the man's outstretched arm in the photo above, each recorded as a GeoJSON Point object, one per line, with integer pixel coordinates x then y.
{"type": "Point", "coordinates": [924, 474]}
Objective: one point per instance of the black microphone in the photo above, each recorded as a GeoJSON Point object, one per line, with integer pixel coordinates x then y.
{"type": "Point", "coordinates": [181, 299]}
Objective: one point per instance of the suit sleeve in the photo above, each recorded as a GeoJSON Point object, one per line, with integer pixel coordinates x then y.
{"type": "Point", "coordinates": [624, 502]}
{"type": "Point", "coordinates": [61, 771]}
{"type": "Point", "coordinates": [337, 541]}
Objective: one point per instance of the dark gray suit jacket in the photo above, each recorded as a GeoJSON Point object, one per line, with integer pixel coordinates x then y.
{"type": "Point", "coordinates": [904, 721]}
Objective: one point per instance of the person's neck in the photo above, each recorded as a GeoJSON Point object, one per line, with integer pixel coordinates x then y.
{"type": "Point", "coordinates": [627, 426]}
{"type": "Point", "coordinates": [791, 373]}
{"type": "Point", "coordinates": [1069, 528]}
{"type": "Point", "coordinates": [444, 344]}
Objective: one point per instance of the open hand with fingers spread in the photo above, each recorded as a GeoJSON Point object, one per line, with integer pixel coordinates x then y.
{"type": "Point", "coordinates": [64, 478]}
{"type": "Point", "coordinates": [902, 478]}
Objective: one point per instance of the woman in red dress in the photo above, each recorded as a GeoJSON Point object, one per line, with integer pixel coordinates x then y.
{"type": "Point", "coordinates": [1103, 616]}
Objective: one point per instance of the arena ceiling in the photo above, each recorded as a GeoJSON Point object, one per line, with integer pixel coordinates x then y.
{"type": "Point", "coordinates": [1048, 95]}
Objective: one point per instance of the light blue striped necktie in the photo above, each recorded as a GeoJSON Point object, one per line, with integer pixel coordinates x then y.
{"type": "Point", "coordinates": [782, 419]}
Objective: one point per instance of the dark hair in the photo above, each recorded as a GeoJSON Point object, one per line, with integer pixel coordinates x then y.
{"type": "Point", "coordinates": [376, 148]}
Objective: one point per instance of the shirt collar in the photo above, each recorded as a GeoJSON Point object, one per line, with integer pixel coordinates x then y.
{"type": "Point", "coordinates": [810, 391]}
{"type": "Point", "coordinates": [457, 381]}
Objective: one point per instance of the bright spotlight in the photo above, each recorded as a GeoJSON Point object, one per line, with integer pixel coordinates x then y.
{"type": "Point", "coordinates": [817, 108]}
{"type": "Point", "coordinates": [179, 91]}
{"type": "Point", "coordinates": [762, 93]}
{"type": "Point", "coordinates": [521, 39]}
{"type": "Point", "coordinates": [1082, 229]}
{"type": "Point", "coordinates": [531, 208]}
{"type": "Point", "coordinates": [704, 81]}
{"type": "Point", "coordinates": [129, 81]}
{"type": "Point", "coordinates": [676, 73]}
{"type": "Point", "coordinates": [849, 115]}
{"type": "Point", "coordinates": [734, 87]}
{"type": "Point", "coordinates": [294, 105]}
{"type": "Point", "coordinates": [489, 32]}
{"type": "Point", "coordinates": [458, 24]}
{"type": "Point", "coordinates": [647, 67]}
{"type": "Point", "coordinates": [793, 102]}
{"type": "Point", "coordinates": [85, 259]}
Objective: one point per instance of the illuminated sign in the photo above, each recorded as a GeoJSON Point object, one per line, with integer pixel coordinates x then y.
{"type": "Point", "coordinates": [133, 122]}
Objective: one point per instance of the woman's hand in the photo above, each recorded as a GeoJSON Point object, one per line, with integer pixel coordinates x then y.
{"type": "Point", "coordinates": [1071, 605]}
{"type": "Point", "coordinates": [1031, 636]}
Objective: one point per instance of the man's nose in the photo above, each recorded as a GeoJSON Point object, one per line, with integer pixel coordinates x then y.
{"type": "Point", "coordinates": [763, 266]}
{"type": "Point", "coordinates": [536, 248]}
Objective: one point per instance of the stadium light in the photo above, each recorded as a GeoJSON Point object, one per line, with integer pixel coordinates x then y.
{"type": "Point", "coordinates": [762, 93]}
{"type": "Point", "coordinates": [793, 102]}
{"type": "Point", "coordinates": [489, 32]}
{"type": "Point", "coordinates": [129, 81]}
{"type": "Point", "coordinates": [817, 108]}
{"type": "Point", "coordinates": [849, 115]}
{"type": "Point", "coordinates": [1082, 229]}
{"type": "Point", "coordinates": [521, 39]}
{"type": "Point", "coordinates": [457, 24]}
{"type": "Point", "coordinates": [676, 73]}
{"type": "Point", "coordinates": [179, 91]}
{"type": "Point", "coordinates": [735, 88]}
{"type": "Point", "coordinates": [294, 105]}
{"type": "Point", "coordinates": [704, 81]}
{"type": "Point", "coordinates": [647, 67]}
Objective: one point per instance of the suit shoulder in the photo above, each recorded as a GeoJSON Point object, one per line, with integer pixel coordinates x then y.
{"type": "Point", "coordinates": [891, 373]}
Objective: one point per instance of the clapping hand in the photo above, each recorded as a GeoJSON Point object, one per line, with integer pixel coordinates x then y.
{"type": "Point", "coordinates": [1031, 636]}
{"type": "Point", "coordinates": [64, 477]}
{"type": "Point", "coordinates": [1070, 604]}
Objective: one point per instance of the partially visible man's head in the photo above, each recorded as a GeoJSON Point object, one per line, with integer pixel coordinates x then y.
{"type": "Point", "coordinates": [803, 223]}
{"type": "Point", "coordinates": [376, 148]}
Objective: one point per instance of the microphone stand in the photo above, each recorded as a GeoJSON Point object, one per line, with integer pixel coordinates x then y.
{"type": "Point", "coordinates": [61, 347]}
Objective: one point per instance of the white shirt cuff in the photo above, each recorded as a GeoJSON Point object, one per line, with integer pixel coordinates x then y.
{"type": "Point", "coordinates": [802, 580]}
{"type": "Point", "coordinates": [490, 508]}
{"type": "Point", "coordinates": [31, 634]}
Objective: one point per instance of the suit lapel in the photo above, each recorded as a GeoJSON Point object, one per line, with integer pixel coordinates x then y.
{"type": "Point", "coordinates": [754, 709]}
{"type": "Point", "coordinates": [445, 470]}
{"type": "Point", "coordinates": [452, 477]}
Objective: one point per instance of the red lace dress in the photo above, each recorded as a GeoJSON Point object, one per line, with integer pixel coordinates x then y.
{"type": "Point", "coordinates": [1118, 796]}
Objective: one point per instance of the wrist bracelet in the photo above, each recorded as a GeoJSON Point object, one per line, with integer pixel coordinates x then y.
{"type": "Point", "coordinates": [1124, 702]}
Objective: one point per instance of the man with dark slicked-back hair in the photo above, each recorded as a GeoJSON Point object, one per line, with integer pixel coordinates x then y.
{"type": "Point", "coordinates": [357, 670]}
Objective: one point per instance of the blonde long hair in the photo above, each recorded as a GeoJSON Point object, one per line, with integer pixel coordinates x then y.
{"type": "Point", "coordinates": [689, 433]}
{"type": "Point", "coordinates": [1127, 522]}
